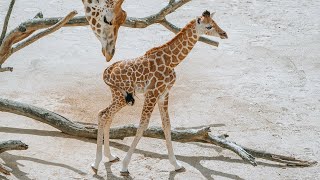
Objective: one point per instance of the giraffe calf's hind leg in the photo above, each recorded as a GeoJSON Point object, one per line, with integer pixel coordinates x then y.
{"type": "Point", "coordinates": [104, 123]}
{"type": "Point", "coordinates": [107, 152]}
{"type": "Point", "coordinates": [163, 108]}
{"type": "Point", "coordinates": [98, 159]}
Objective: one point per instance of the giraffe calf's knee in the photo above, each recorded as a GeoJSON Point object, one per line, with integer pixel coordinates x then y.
{"type": "Point", "coordinates": [129, 99]}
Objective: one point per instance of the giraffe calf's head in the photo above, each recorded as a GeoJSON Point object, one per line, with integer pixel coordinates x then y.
{"type": "Point", "coordinates": [206, 25]}
{"type": "Point", "coordinates": [105, 19]}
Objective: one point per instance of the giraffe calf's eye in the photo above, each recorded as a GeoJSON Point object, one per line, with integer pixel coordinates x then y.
{"type": "Point", "coordinates": [106, 21]}
{"type": "Point", "coordinates": [209, 27]}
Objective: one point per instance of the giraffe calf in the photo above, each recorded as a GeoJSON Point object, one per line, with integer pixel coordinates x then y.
{"type": "Point", "coordinates": [152, 74]}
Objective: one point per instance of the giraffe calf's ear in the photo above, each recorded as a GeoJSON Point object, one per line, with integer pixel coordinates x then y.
{"type": "Point", "coordinates": [198, 20]}
{"type": "Point", "coordinates": [206, 13]}
{"type": "Point", "coordinates": [211, 15]}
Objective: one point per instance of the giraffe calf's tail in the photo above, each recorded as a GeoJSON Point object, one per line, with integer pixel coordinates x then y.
{"type": "Point", "coordinates": [129, 99]}
{"type": "Point", "coordinates": [128, 96]}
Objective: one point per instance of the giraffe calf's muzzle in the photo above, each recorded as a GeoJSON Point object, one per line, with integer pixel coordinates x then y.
{"type": "Point", "coordinates": [223, 35]}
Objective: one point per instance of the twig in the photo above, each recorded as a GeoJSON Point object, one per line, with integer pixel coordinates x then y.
{"type": "Point", "coordinates": [12, 145]}
{"type": "Point", "coordinates": [6, 21]}
{"type": "Point", "coordinates": [191, 135]}
{"type": "Point", "coordinates": [38, 15]}
{"type": "Point", "coordinates": [44, 33]}
{"type": "Point", "coordinates": [288, 161]}
{"type": "Point", "coordinates": [8, 146]}
{"type": "Point", "coordinates": [6, 69]}
{"type": "Point", "coordinates": [154, 18]}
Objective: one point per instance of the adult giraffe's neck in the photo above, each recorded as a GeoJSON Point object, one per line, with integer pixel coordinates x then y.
{"type": "Point", "coordinates": [177, 49]}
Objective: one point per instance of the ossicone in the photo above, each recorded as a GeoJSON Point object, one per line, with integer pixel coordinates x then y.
{"type": "Point", "coordinates": [206, 13]}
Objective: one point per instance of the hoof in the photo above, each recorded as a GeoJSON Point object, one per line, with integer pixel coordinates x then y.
{"type": "Point", "coordinates": [124, 173]}
{"type": "Point", "coordinates": [182, 169]}
{"type": "Point", "coordinates": [94, 169]}
{"type": "Point", "coordinates": [115, 160]}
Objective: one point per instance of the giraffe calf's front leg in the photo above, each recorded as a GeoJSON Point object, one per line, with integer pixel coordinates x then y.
{"type": "Point", "coordinates": [166, 126]}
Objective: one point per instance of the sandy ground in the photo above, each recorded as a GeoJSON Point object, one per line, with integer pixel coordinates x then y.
{"type": "Point", "coordinates": [261, 86]}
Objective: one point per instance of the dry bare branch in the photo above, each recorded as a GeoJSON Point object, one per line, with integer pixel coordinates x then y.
{"type": "Point", "coordinates": [44, 33]}
{"type": "Point", "coordinates": [6, 21]}
{"type": "Point", "coordinates": [6, 49]}
{"type": "Point", "coordinates": [8, 146]}
{"type": "Point", "coordinates": [12, 145]}
{"type": "Point", "coordinates": [155, 18]}
{"type": "Point", "coordinates": [27, 28]}
{"type": "Point", "coordinates": [6, 69]}
{"type": "Point", "coordinates": [190, 135]}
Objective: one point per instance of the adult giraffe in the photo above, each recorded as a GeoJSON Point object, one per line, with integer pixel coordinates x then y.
{"type": "Point", "coordinates": [105, 17]}
{"type": "Point", "coordinates": [152, 74]}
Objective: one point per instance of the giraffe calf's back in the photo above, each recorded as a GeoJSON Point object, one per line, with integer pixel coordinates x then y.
{"type": "Point", "coordinates": [139, 75]}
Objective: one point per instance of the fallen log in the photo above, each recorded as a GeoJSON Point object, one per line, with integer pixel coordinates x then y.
{"type": "Point", "coordinates": [190, 135]}
{"type": "Point", "coordinates": [8, 146]}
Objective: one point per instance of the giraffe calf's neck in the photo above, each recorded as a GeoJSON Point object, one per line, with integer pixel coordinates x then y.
{"type": "Point", "coordinates": [177, 49]}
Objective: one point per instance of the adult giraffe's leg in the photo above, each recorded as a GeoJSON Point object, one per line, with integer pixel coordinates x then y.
{"type": "Point", "coordinates": [104, 123]}
{"type": "Point", "coordinates": [149, 103]}
{"type": "Point", "coordinates": [163, 108]}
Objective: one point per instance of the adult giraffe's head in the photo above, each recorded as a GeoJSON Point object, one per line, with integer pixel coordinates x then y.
{"type": "Point", "coordinates": [105, 17]}
{"type": "Point", "coordinates": [206, 25]}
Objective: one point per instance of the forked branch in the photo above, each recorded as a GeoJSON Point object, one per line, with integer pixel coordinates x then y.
{"type": "Point", "coordinates": [22, 32]}
{"type": "Point", "coordinates": [48, 31]}
{"type": "Point", "coordinates": [25, 29]}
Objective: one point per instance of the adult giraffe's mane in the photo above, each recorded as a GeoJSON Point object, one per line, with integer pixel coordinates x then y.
{"type": "Point", "coordinates": [178, 36]}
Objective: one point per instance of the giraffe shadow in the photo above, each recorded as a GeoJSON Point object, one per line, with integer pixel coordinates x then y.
{"type": "Point", "coordinates": [13, 164]}
{"type": "Point", "coordinates": [194, 161]}
{"type": "Point", "coordinates": [177, 128]}
{"type": "Point", "coordinates": [3, 177]}
{"type": "Point", "coordinates": [111, 175]}
{"type": "Point", "coordinates": [44, 133]}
